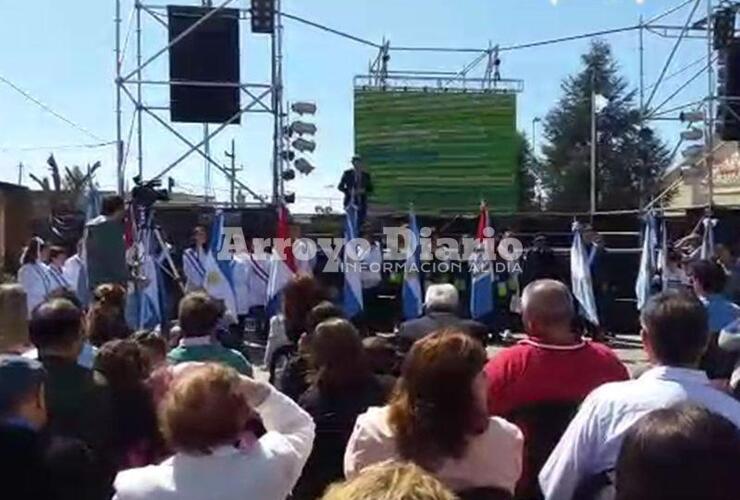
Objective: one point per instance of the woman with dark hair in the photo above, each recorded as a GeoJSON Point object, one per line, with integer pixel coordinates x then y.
{"type": "Point", "coordinates": [342, 387]}
{"type": "Point", "coordinates": [194, 259]}
{"type": "Point", "coordinates": [33, 275]}
{"type": "Point", "coordinates": [438, 419]}
{"type": "Point", "coordinates": [136, 438]}
{"type": "Point", "coordinates": [680, 453]}
{"type": "Point", "coordinates": [106, 318]}
{"type": "Point", "coordinates": [300, 295]}
{"type": "Point", "coordinates": [293, 380]}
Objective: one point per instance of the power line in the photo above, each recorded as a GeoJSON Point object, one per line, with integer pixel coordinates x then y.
{"type": "Point", "coordinates": [58, 147]}
{"type": "Point", "coordinates": [331, 30]}
{"type": "Point", "coordinates": [678, 72]}
{"type": "Point", "coordinates": [49, 110]}
{"type": "Point", "coordinates": [553, 41]}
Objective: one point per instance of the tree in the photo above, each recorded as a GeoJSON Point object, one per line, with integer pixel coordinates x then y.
{"type": "Point", "coordinates": [530, 172]}
{"type": "Point", "coordinates": [631, 158]}
{"type": "Point", "coordinates": [71, 187]}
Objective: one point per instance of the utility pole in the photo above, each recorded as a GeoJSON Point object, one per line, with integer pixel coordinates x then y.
{"type": "Point", "coordinates": [593, 144]}
{"type": "Point", "coordinates": [20, 174]}
{"type": "Point", "coordinates": [710, 107]}
{"type": "Point", "coordinates": [232, 178]}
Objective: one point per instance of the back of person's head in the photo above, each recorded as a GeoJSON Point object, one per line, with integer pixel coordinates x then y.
{"type": "Point", "coordinates": [381, 355]}
{"type": "Point", "coordinates": [204, 408]}
{"type": "Point", "coordinates": [198, 314]}
{"type": "Point", "coordinates": [443, 297]}
{"type": "Point", "coordinates": [21, 389]}
{"type": "Point", "coordinates": [56, 325]}
{"type": "Point", "coordinates": [111, 204]}
{"type": "Point", "coordinates": [32, 251]}
{"type": "Point", "coordinates": [547, 308]}
{"type": "Point", "coordinates": [154, 346]}
{"type": "Point", "coordinates": [300, 295]}
{"type": "Point", "coordinates": [13, 318]}
{"type": "Point", "coordinates": [440, 399]}
{"type": "Point", "coordinates": [391, 482]}
{"type": "Point", "coordinates": [680, 453]}
{"type": "Point", "coordinates": [337, 355]}
{"type": "Point", "coordinates": [675, 329]}
{"type": "Point", "coordinates": [123, 363]}
{"type": "Point", "coordinates": [707, 276]}
{"type": "Point", "coordinates": [67, 294]}
{"type": "Point", "coordinates": [321, 312]}
{"type": "Point", "coordinates": [110, 295]}
{"type": "Point", "coordinates": [106, 318]}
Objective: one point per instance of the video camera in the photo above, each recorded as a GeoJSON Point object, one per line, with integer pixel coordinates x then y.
{"type": "Point", "coordinates": [145, 193]}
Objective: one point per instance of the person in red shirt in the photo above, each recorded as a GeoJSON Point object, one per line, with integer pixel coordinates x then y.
{"type": "Point", "coordinates": [539, 383]}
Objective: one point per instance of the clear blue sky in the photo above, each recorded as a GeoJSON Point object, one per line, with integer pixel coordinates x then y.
{"type": "Point", "coordinates": [62, 53]}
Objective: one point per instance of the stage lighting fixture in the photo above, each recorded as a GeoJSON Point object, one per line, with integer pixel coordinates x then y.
{"type": "Point", "coordinates": [304, 145]}
{"type": "Point", "coordinates": [693, 151]}
{"type": "Point", "coordinates": [302, 128]}
{"type": "Point", "coordinates": [303, 166]}
{"type": "Point", "coordinates": [691, 116]}
{"type": "Point", "coordinates": [288, 155]}
{"type": "Point", "coordinates": [263, 16]}
{"type": "Point", "coordinates": [288, 175]}
{"type": "Point", "coordinates": [693, 134]}
{"type": "Point", "coordinates": [289, 198]}
{"type": "Point", "coordinates": [303, 108]}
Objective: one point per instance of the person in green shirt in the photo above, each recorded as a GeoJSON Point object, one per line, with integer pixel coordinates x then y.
{"type": "Point", "coordinates": [199, 315]}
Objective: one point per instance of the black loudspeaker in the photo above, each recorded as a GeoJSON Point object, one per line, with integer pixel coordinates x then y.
{"type": "Point", "coordinates": [208, 54]}
{"type": "Point", "coordinates": [729, 108]}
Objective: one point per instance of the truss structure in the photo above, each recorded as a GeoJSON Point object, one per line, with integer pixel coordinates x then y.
{"type": "Point", "coordinates": [261, 97]}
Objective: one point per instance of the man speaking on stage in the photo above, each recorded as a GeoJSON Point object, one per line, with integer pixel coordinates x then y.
{"type": "Point", "coordinates": [356, 184]}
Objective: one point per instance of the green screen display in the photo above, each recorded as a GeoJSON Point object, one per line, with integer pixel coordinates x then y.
{"type": "Point", "coordinates": [441, 151]}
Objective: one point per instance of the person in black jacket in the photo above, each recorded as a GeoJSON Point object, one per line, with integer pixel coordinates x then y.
{"type": "Point", "coordinates": [34, 464]}
{"type": "Point", "coordinates": [342, 387]}
{"type": "Point", "coordinates": [540, 262]}
{"type": "Point", "coordinates": [356, 184]}
{"type": "Point", "coordinates": [440, 312]}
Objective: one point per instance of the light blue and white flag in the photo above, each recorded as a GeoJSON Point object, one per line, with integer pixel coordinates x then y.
{"type": "Point", "coordinates": [352, 293]}
{"type": "Point", "coordinates": [643, 285]}
{"type": "Point", "coordinates": [413, 302]}
{"type": "Point", "coordinates": [707, 242]}
{"type": "Point", "coordinates": [218, 280]}
{"type": "Point", "coordinates": [481, 293]}
{"type": "Point", "coordinates": [580, 275]}
{"type": "Point", "coordinates": [148, 294]}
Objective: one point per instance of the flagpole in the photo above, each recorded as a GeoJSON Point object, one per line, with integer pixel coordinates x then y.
{"type": "Point", "coordinates": [593, 147]}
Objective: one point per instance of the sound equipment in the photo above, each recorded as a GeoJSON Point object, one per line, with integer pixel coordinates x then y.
{"type": "Point", "coordinates": [207, 54]}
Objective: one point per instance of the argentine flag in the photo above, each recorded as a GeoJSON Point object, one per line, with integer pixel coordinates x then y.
{"type": "Point", "coordinates": [218, 280]}
{"type": "Point", "coordinates": [580, 275]}
{"type": "Point", "coordinates": [411, 292]}
{"type": "Point", "coordinates": [643, 285]}
{"type": "Point", "coordinates": [282, 267]}
{"type": "Point", "coordinates": [352, 295]}
{"type": "Point", "coordinates": [481, 293]}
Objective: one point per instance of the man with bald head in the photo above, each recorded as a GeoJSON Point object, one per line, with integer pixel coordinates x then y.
{"type": "Point", "coordinates": [553, 364]}
{"type": "Point", "coordinates": [539, 383]}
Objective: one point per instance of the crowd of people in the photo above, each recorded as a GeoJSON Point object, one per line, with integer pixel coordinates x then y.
{"type": "Point", "coordinates": [92, 410]}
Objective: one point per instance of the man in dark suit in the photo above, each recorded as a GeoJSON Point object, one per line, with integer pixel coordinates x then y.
{"type": "Point", "coordinates": [440, 312]}
{"type": "Point", "coordinates": [356, 184]}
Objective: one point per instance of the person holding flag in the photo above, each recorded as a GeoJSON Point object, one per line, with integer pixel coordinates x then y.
{"type": "Point", "coordinates": [218, 280]}
{"type": "Point", "coordinates": [644, 284]}
{"type": "Point", "coordinates": [194, 260]}
{"type": "Point", "coordinates": [352, 295]}
{"type": "Point", "coordinates": [580, 272]}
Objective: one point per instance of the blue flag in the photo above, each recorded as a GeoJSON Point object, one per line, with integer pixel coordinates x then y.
{"type": "Point", "coordinates": [352, 293]}
{"type": "Point", "coordinates": [218, 280]}
{"type": "Point", "coordinates": [580, 275]}
{"type": "Point", "coordinates": [481, 293]}
{"type": "Point", "coordinates": [411, 292]}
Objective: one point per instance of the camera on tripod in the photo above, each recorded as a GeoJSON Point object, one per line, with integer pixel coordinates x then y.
{"type": "Point", "coordinates": [146, 193]}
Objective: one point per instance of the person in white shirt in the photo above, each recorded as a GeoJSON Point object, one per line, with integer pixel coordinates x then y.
{"type": "Point", "coordinates": [33, 275]}
{"type": "Point", "coordinates": [675, 334]}
{"type": "Point", "coordinates": [371, 277]}
{"type": "Point", "coordinates": [203, 418]}
{"type": "Point", "coordinates": [57, 257]}
{"type": "Point", "coordinates": [74, 270]}
{"type": "Point", "coordinates": [194, 260]}
{"type": "Point", "coordinates": [438, 419]}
